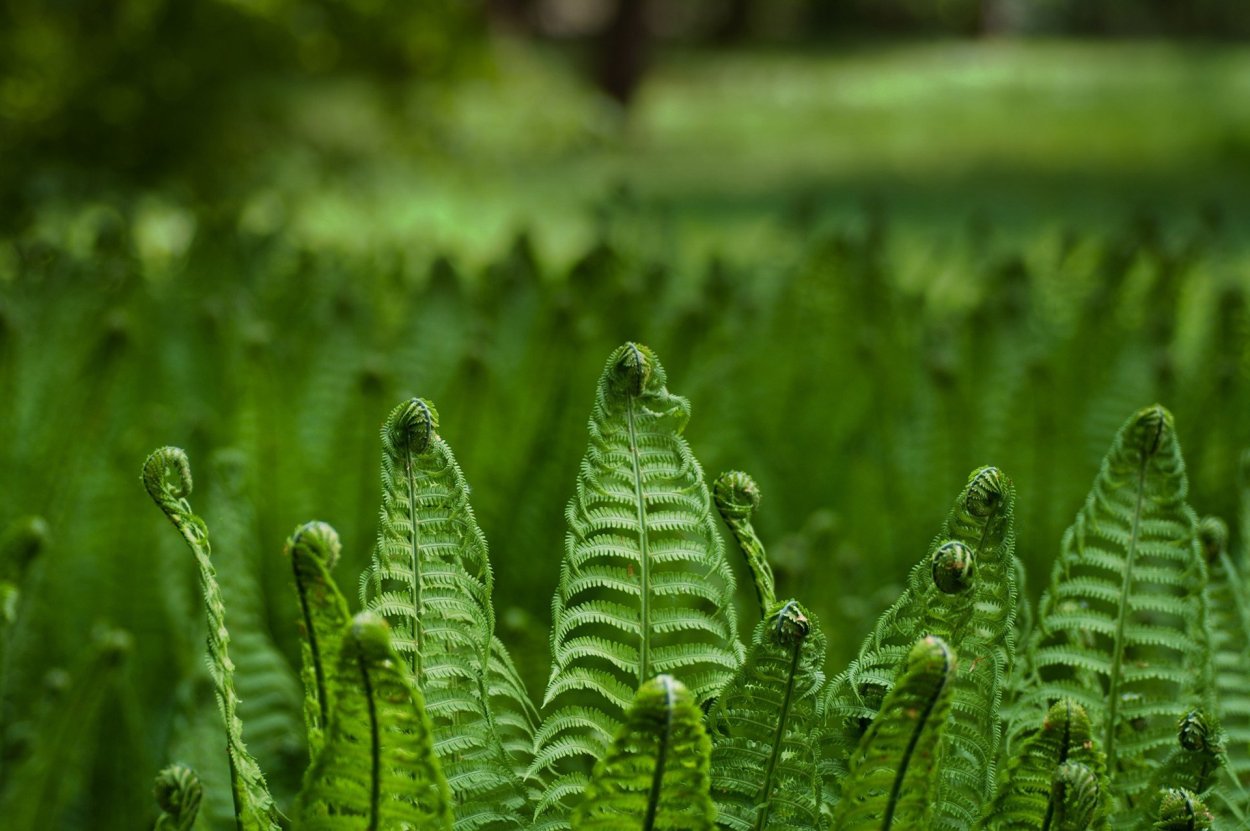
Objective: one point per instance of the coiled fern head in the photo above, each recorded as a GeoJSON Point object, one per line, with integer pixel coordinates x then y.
{"type": "Point", "coordinates": [1181, 810]}
{"type": "Point", "coordinates": [178, 794]}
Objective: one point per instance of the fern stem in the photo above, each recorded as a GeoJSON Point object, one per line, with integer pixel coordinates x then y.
{"type": "Point", "coordinates": [314, 647]}
{"type": "Point", "coordinates": [888, 819]}
{"type": "Point", "coordinates": [1063, 757]}
{"type": "Point", "coordinates": [375, 747]}
{"type": "Point", "coordinates": [644, 568]}
{"type": "Point", "coordinates": [661, 757]}
{"type": "Point", "coordinates": [414, 580]}
{"type": "Point", "coordinates": [761, 821]}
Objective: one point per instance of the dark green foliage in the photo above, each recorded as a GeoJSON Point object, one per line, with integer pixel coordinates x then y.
{"type": "Point", "coordinates": [654, 776]}
{"type": "Point", "coordinates": [377, 769]}
{"type": "Point", "coordinates": [1120, 626]}
{"type": "Point", "coordinates": [178, 793]}
{"type": "Point", "coordinates": [765, 728]}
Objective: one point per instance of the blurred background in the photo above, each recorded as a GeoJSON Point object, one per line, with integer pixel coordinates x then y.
{"type": "Point", "coordinates": [877, 244]}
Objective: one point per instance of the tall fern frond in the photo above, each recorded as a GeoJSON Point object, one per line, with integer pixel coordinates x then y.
{"type": "Point", "coordinates": [737, 498]}
{"type": "Point", "coordinates": [377, 770]}
{"type": "Point", "coordinates": [167, 477]}
{"type": "Point", "coordinates": [765, 729]}
{"type": "Point", "coordinates": [314, 549]}
{"type": "Point", "coordinates": [654, 776]}
{"type": "Point", "coordinates": [431, 580]}
{"type": "Point", "coordinates": [1119, 626]}
{"type": "Point", "coordinates": [178, 794]}
{"type": "Point", "coordinates": [644, 587]}
{"type": "Point", "coordinates": [1026, 799]}
{"type": "Point", "coordinates": [892, 774]}
{"type": "Point", "coordinates": [1180, 810]}
{"type": "Point", "coordinates": [1228, 618]}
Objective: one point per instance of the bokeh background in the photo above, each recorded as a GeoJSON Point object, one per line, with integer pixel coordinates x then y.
{"type": "Point", "coordinates": [877, 244]}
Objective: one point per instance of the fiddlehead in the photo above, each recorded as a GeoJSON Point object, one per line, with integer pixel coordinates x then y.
{"type": "Point", "coordinates": [178, 793]}
{"type": "Point", "coordinates": [737, 498]}
{"type": "Point", "coordinates": [1076, 798]}
{"type": "Point", "coordinates": [1180, 810]}
{"type": "Point", "coordinates": [167, 477]}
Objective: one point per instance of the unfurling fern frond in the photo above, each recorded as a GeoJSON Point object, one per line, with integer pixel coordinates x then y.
{"type": "Point", "coordinates": [167, 477]}
{"type": "Point", "coordinates": [1180, 810]}
{"type": "Point", "coordinates": [892, 774]}
{"type": "Point", "coordinates": [737, 498]}
{"type": "Point", "coordinates": [654, 777]}
{"type": "Point", "coordinates": [314, 549]}
{"type": "Point", "coordinates": [1228, 618]}
{"type": "Point", "coordinates": [431, 580]}
{"type": "Point", "coordinates": [1026, 797]}
{"type": "Point", "coordinates": [1077, 798]}
{"type": "Point", "coordinates": [964, 591]}
{"type": "Point", "coordinates": [377, 770]}
{"type": "Point", "coordinates": [1118, 628]}
{"type": "Point", "coordinates": [765, 731]}
{"type": "Point", "coordinates": [1193, 765]}
{"type": "Point", "coordinates": [178, 794]}
{"type": "Point", "coordinates": [644, 587]}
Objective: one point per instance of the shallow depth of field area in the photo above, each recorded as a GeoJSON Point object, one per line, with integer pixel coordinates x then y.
{"type": "Point", "coordinates": [961, 293]}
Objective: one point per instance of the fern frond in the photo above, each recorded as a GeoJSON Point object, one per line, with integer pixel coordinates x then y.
{"type": "Point", "coordinates": [1180, 810]}
{"type": "Point", "coordinates": [892, 774]}
{"type": "Point", "coordinates": [515, 716]}
{"type": "Point", "coordinates": [654, 777]}
{"type": "Point", "coordinates": [167, 477]}
{"type": "Point", "coordinates": [1193, 765]}
{"type": "Point", "coordinates": [1077, 798]}
{"type": "Point", "coordinates": [1119, 628]}
{"type": "Point", "coordinates": [765, 730]}
{"type": "Point", "coordinates": [178, 794]}
{"type": "Point", "coordinates": [377, 770]}
{"type": "Point", "coordinates": [431, 580]}
{"type": "Point", "coordinates": [1026, 797]}
{"type": "Point", "coordinates": [644, 587]}
{"type": "Point", "coordinates": [737, 498]}
{"type": "Point", "coordinates": [314, 549]}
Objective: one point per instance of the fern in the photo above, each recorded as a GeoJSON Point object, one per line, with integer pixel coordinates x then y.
{"type": "Point", "coordinates": [431, 580]}
{"type": "Point", "coordinates": [314, 549]}
{"type": "Point", "coordinates": [764, 726]}
{"type": "Point", "coordinates": [167, 477]}
{"type": "Point", "coordinates": [737, 498]}
{"type": "Point", "coordinates": [654, 777]}
{"type": "Point", "coordinates": [1193, 765]}
{"type": "Point", "coordinates": [891, 776]}
{"type": "Point", "coordinates": [1180, 810]}
{"type": "Point", "coordinates": [644, 587]}
{"type": "Point", "coordinates": [1026, 799]}
{"type": "Point", "coordinates": [1118, 627]}
{"type": "Point", "coordinates": [377, 770]}
{"type": "Point", "coordinates": [178, 794]}
{"type": "Point", "coordinates": [1077, 798]}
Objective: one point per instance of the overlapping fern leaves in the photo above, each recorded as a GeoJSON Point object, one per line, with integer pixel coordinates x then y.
{"type": "Point", "coordinates": [431, 580]}
{"type": "Point", "coordinates": [644, 587]}
{"type": "Point", "coordinates": [1119, 625]}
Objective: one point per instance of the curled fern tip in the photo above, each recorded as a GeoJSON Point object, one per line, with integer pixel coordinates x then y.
{"type": "Point", "coordinates": [953, 567]}
{"type": "Point", "coordinates": [736, 494]}
{"type": "Point", "coordinates": [167, 474]}
{"type": "Point", "coordinates": [412, 424]}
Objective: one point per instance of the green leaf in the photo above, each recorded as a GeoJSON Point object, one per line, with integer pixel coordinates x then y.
{"type": "Point", "coordinates": [431, 580]}
{"type": "Point", "coordinates": [314, 549]}
{"type": "Point", "coordinates": [167, 477]}
{"type": "Point", "coordinates": [891, 776]}
{"type": "Point", "coordinates": [178, 794]}
{"type": "Point", "coordinates": [645, 587]}
{"type": "Point", "coordinates": [377, 770]}
{"type": "Point", "coordinates": [1121, 626]}
{"type": "Point", "coordinates": [654, 776]}
{"type": "Point", "coordinates": [765, 730]}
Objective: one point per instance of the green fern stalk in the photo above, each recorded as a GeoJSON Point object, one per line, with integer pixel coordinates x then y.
{"type": "Point", "coordinates": [644, 588]}
{"type": "Point", "coordinates": [431, 580]}
{"type": "Point", "coordinates": [654, 776]}
{"type": "Point", "coordinates": [891, 776]}
{"type": "Point", "coordinates": [178, 794]}
{"type": "Point", "coordinates": [167, 477]}
{"type": "Point", "coordinates": [314, 549]}
{"type": "Point", "coordinates": [765, 729]}
{"type": "Point", "coordinates": [377, 770]}
{"type": "Point", "coordinates": [1119, 627]}
{"type": "Point", "coordinates": [737, 498]}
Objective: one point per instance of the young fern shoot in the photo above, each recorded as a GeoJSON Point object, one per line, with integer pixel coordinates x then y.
{"type": "Point", "coordinates": [737, 498]}
{"type": "Point", "coordinates": [167, 477]}
{"type": "Point", "coordinates": [178, 794]}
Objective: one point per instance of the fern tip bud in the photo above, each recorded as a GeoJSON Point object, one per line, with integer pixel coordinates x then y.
{"type": "Point", "coordinates": [736, 494]}
{"type": "Point", "coordinates": [792, 625]}
{"type": "Point", "coordinates": [633, 366]}
{"type": "Point", "coordinates": [167, 474]}
{"type": "Point", "coordinates": [178, 792]}
{"type": "Point", "coordinates": [371, 635]}
{"type": "Point", "coordinates": [1149, 428]}
{"type": "Point", "coordinates": [1194, 732]}
{"type": "Point", "coordinates": [318, 539]}
{"type": "Point", "coordinates": [411, 425]}
{"type": "Point", "coordinates": [1213, 536]}
{"type": "Point", "coordinates": [953, 567]}
{"type": "Point", "coordinates": [1181, 809]}
{"type": "Point", "coordinates": [987, 487]}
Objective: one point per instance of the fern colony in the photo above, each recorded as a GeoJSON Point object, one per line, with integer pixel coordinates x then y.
{"type": "Point", "coordinates": [1120, 702]}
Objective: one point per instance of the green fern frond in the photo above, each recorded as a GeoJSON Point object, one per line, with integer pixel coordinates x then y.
{"type": "Point", "coordinates": [515, 716]}
{"type": "Point", "coordinates": [1077, 798]}
{"type": "Point", "coordinates": [167, 477]}
{"type": "Point", "coordinates": [314, 549]}
{"type": "Point", "coordinates": [654, 777]}
{"type": "Point", "coordinates": [178, 794]}
{"type": "Point", "coordinates": [892, 775]}
{"type": "Point", "coordinates": [1194, 764]}
{"type": "Point", "coordinates": [765, 730]}
{"type": "Point", "coordinates": [1119, 628]}
{"type": "Point", "coordinates": [431, 580]}
{"type": "Point", "coordinates": [644, 587]}
{"type": "Point", "coordinates": [1180, 810]}
{"type": "Point", "coordinates": [737, 498]}
{"type": "Point", "coordinates": [377, 770]}
{"type": "Point", "coordinates": [1026, 797]}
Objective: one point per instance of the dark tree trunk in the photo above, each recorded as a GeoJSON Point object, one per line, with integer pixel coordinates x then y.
{"type": "Point", "coordinates": [735, 25]}
{"type": "Point", "coordinates": [624, 51]}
